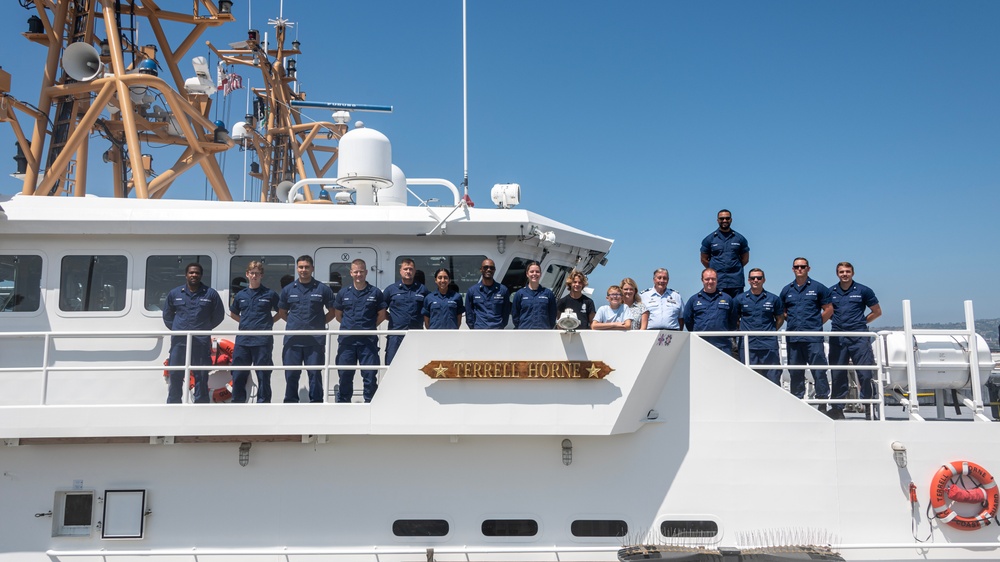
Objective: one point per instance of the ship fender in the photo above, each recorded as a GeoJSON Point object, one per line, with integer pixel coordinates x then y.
{"type": "Point", "coordinates": [942, 488]}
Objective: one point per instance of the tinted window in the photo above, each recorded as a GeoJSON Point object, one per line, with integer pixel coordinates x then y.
{"type": "Point", "coordinates": [420, 527]}
{"type": "Point", "coordinates": [164, 273]}
{"type": "Point", "coordinates": [93, 283]}
{"type": "Point", "coordinates": [599, 528]}
{"type": "Point", "coordinates": [79, 509]}
{"type": "Point", "coordinates": [20, 283]}
{"type": "Point", "coordinates": [510, 527]}
{"type": "Point", "coordinates": [555, 278]}
{"type": "Point", "coordinates": [515, 277]}
{"type": "Point", "coordinates": [695, 529]}
{"type": "Point", "coordinates": [275, 268]}
{"type": "Point", "coordinates": [464, 269]}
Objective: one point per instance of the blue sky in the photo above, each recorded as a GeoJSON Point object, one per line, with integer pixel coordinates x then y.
{"type": "Point", "coordinates": [858, 131]}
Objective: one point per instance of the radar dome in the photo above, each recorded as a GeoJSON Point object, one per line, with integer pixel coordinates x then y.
{"type": "Point", "coordinates": [364, 163]}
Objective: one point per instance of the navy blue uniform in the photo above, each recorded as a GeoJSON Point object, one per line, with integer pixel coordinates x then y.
{"type": "Point", "coordinates": [487, 308]}
{"type": "Point", "coordinates": [360, 312]}
{"type": "Point", "coordinates": [534, 309]}
{"type": "Point", "coordinates": [756, 313]}
{"type": "Point", "coordinates": [804, 310]}
{"type": "Point", "coordinates": [306, 304]}
{"type": "Point", "coordinates": [443, 311]}
{"type": "Point", "coordinates": [406, 305]}
{"type": "Point", "coordinates": [849, 316]}
{"type": "Point", "coordinates": [711, 312]}
{"type": "Point", "coordinates": [186, 310]}
{"type": "Point", "coordinates": [725, 255]}
{"type": "Point", "coordinates": [256, 308]}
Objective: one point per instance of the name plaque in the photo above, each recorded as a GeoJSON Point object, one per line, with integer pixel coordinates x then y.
{"type": "Point", "coordinates": [516, 369]}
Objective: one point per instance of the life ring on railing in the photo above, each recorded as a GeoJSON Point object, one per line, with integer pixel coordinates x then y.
{"type": "Point", "coordinates": [942, 489]}
{"type": "Point", "coordinates": [222, 354]}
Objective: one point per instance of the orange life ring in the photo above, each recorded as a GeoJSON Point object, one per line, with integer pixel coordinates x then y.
{"type": "Point", "coordinates": [939, 491]}
{"type": "Point", "coordinates": [222, 354]}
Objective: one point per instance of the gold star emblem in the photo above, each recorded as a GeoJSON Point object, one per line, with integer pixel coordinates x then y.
{"type": "Point", "coordinates": [593, 370]}
{"type": "Point", "coordinates": [440, 372]}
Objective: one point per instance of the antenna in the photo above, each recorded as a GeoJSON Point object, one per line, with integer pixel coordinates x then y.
{"type": "Point", "coordinates": [465, 105]}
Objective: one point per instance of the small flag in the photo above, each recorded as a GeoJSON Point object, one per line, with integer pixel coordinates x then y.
{"type": "Point", "coordinates": [231, 83]}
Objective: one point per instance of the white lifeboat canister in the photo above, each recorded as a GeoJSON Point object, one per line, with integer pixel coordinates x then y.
{"type": "Point", "coordinates": [942, 362]}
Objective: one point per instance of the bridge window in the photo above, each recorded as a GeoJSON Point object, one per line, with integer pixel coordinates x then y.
{"type": "Point", "coordinates": [464, 270]}
{"type": "Point", "coordinates": [515, 277]}
{"type": "Point", "coordinates": [93, 283]}
{"type": "Point", "coordinates": [164, 273]}
{"type": "Point", "coordinates": [276, 268]}
{"type": "Point", "coordinates": [20, 283]}
{"type": "Point", "coordinates": [555, 278]}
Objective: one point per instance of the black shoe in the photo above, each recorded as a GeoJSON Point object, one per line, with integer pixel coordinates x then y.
{"type": "Point", "coordinates": [822, 408]}
{"type": "Point", "coordinates": [835, 414]}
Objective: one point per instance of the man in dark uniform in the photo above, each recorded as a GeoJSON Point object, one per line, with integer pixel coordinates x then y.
{"type": "Point", "coordinates": [405, 301]}
{"type": "Point", "coordinates": [807, 308]}
{"type": "Point", "coordinates": [253, 309]}
{"type": "Point", "coordinates": [359, 306]}
{"type": "Point", "coordinates": [192, 306]}
{"type": "Point", "coordinates": [726, 251]}
{"type": "Point", "coordinates": [760, 311]}
{"type": "Point", "coordinates": [487, 304]}
{"type": "Point", "coordinates": [302, 305]}
{"type": "Point", "coordinates": [849, 300]}
{"type": "Point", "coordinates": [711, 310]}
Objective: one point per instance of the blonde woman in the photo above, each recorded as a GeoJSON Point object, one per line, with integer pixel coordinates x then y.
{"type": "Point", "coordinates": [636, 310]}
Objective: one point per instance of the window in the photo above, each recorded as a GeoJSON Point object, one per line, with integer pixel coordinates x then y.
{"type": "Point", "coordinates": [164, 273]}
{"type": "Point", "coordinates": [464, 270]}
{"type": "Point", "coordinates": [599, 528]}
{"type": "Point", "coordinates": [510, 527]}
{"type": "Point", "coordinates": [555, 278]}
{"type": "Point", "coordinates": [93, 283]}
{"type": "Point", "coordinates": [689, 529]}
{"type": "Point", "coordinates": [72, 514]}
{"type": "Point", "coordinates": [420, 527]}
{"type": "Point", "coordinates": [515, 277]}
{"type": "Point", "coordinates": [20, 283]}
{"type": "Point", "coordinates": [276, 268]}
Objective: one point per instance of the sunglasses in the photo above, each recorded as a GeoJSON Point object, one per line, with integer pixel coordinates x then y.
{"type": "Point", "coordinates": [800, 266]}
{"type": "Point", "coordinates": [756, 278]}
{"type": "Point", "coordinates": [488, 268]}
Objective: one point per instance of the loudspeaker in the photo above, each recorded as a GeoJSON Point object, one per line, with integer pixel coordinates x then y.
{"type": "Point", "coordinates": [82, 62]}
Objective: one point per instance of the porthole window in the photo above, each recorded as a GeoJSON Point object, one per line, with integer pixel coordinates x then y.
{"type": "Point", "coordinates": [93, 283]}
{"type": "Point", "coordinates": [20, 282]}
{"type": "Point", "coordinates": [420, 527]}
{"type": "Point", "coordinates": [689, 529]}
{"type": "Point", "coordinates": [510, 527]}
{"type": "Point", "coordinates": [599, 528]}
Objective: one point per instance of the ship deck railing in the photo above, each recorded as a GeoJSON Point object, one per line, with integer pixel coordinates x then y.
{"type": "Point", "coordinates": [881, 367]}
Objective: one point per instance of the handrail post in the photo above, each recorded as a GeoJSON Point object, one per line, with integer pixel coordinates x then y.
{"type": "Point", "coordinates": [977, 389]}
{"type": "Point", "coordinates": [911, 366]}
{"type": "Point", "coordinates": [187, 368]}
{"type": "Point", "coordinates": [45, 368]}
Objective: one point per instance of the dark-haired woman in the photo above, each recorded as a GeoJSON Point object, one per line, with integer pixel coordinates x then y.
{"type": "Point", "coordinates": [443, 308]}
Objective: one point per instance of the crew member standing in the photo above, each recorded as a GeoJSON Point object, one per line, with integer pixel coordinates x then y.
{"type": "Point", "coordinates": [306, 304]}
{"type": "Point", "coordinates": [665, 305]}
{"type": "Point", "coordinates": [711, 310]}
{"type": "Point", "coordinates": [192, 306]}
{"type": "Point", "coordinates": [807, 308]}
{"type": "Point", "coordinates": [487, 304]}
{"type": "Point", "coordinates": [760, 311]}
{"type": "Point", "coordinates": [726, 251]}
{"type": "Point", "coordinates": [406, 303]}
{"type": "Point", "coordinates": [359, 306]}
{"type": "Point", "coordinates": [253, 308]}
{"type": "Point", "coordinates": [850, 300]}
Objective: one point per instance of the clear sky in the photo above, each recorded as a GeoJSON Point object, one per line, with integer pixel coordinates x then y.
{"type": "Point", "coordinates": [854, 130]}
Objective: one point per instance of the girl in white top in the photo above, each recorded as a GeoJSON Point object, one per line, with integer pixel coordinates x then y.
{"type": "Point", "coordinates": [614, 315]}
